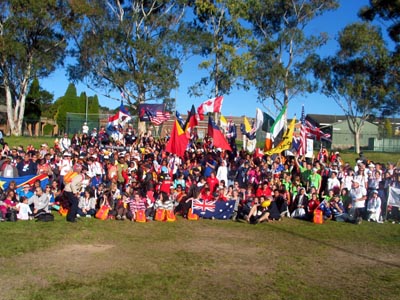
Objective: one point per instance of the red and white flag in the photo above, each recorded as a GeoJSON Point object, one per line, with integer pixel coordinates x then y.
{"type": "Point", "coordinates": [210, 106]}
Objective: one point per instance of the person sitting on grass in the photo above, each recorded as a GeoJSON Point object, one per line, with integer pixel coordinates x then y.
{"type": "Point", "coordinates": [313, 203]}
{"type": "Point", "coordinates": [87, 204]}
{"type": "Point", "coordinates": [259, 211]}
{"type": "Point", "coordinates": [136, 204]}
{"type": "Point", "coordinates": [337, 208]}
{"type": "Point", "coordinates": [24, 211]}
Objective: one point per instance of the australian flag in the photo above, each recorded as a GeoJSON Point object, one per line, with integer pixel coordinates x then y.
{"type": "Point", "coordinates": [222, 210]}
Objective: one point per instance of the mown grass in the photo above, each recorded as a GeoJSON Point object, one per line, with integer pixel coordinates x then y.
{"type": "Point", "coordinates": [206, 259]}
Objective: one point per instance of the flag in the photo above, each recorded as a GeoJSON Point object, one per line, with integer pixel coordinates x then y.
{"type": "Point", "coordinates": [231, 131]}
{"type": "Point", "coordinates": [394, 196]}
{"type": "Point", "coordinates": [219, 139]}
{"type": "Point", "coordinates": [246, 129]}
{"type": "Point", "coordinates": [22, 180]}
{"type": "Point", "coordinates": [158, 117]}
{"type": "Point", "coordinates": [302, 139]}
{"type": "Point", "coordinates": [210, 106]}
{"type": "Point", "coordinates": [178, 141]}
{"type": "Point", "coordinates": [192, 119]}
{"type": "Point", "coordinates": [113, 120]}
{"type": "Point", "coordinates": [279, 123]}
{"type": "Point", "coordinates": [143, 108]}
{"type": "Point", "coordinates": [267, 122]}
{"type": "Point", "coordinates": [315, 132]}
{"type": "Point", "coordinates": [123, 115]}
{"type": "Point", "coordinates": [223, 122]}
{"type": "Point", "coordinates": [179, 119]}
{"type": "Point", "coordinates": [286, 141]}
{"type": "Point", "coordinates": [259, 120]}
{"type": "Point", "coordinates": [222, 210]}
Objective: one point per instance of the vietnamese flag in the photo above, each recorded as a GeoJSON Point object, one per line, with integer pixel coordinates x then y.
{"type": "Point", "coordinates": [219, 140]}
{"type": "Point", "coordinates": [178, 141]}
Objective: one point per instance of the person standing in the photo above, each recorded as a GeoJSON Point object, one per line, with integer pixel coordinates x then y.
{"type": "Point", "coordinates": [72, 191]}
{"type": "Point", "coordinates": [358, 195]}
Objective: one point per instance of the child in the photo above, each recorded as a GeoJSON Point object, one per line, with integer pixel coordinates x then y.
{"type": "Point", "coordinates": [24, 211]}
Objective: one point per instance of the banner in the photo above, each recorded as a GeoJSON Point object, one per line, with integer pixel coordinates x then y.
{"type": "Point", "coordinates": [394, 196]}
{"type": "Point", "coordinates": [309, 148]}
{"type": "Point", "coordinates": [286, 142]}
{"type": "Point", "coordinates": [145, 109]}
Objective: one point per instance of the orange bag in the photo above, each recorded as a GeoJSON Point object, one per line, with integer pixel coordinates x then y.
{"type": "Point", "coordinates": [318, 216]}
{"type": "Point", "coordinates": [160, 215]}
{"type": "Point", "coordinates": [140, 216]}
{"type": "Point", "coordinates": [102, 213]}
{"type": "Point", "coordinates": [69, 176]}
{"type": "Point", "coordinates": [191, 216]}
{"type": "Point", "coordinates": [170, 216]}
{"type": "Point", "coordinates": [63, 211]}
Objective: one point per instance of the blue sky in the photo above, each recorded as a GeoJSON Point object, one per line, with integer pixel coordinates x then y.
{"type": "Point", "coordinates": [240, 103]}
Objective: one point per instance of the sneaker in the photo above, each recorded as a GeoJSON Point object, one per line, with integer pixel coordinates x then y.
{"type": "Point", "coordinates": [123, 217]}
{"type": "Point", "coordinates": [88, 216]}
{"type": "Point", "coordinates": [78, 215]}
{"type": "Point", "coordinates": [359, 221]}
{"type": "Point", "coordinates": [118, 217]}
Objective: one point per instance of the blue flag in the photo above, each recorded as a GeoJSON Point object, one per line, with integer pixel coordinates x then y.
{"type": "Point", "coordinates": [222, 210]}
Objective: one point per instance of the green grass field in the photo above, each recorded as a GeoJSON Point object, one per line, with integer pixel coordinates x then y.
{"type": "Point", "coordinates": [204, 259]}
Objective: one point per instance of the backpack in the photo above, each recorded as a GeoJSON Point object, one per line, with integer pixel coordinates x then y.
{"type": "Point", "coordinates": [44, 217]}
{"type": "Point", "coordinates": [69, 176]}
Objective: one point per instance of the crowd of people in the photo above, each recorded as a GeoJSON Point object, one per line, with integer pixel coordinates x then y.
{"type": "Point", "coordinates": [134, 177]}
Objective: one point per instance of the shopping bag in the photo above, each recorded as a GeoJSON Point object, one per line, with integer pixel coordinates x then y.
{"type": "Point", "coordinates": [140, 216]}
{"type": "Point", "coordinates": [318, 216]}
{"type": "Point", "coordinates": [160, 215]}
{"type": "Point", "coordinates": [170, 216]}
{"type": "Point", "coordinates": [191, 216]}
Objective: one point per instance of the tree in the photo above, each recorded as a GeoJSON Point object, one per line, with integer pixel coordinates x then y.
{"type": "Point", "coordinates": [36, 101]}
{"type": "Point", "coordinates": [131, 47]}
{"type": "Point", "coordinates": [68, 103]}
{"type": "Point", "coordinates": [279, 71]}
{"type": "Point", "coordinates": [223, 41]}
{"type": "Point", "coordinates": [32, 44]}
{"type": "Point", "coordinates": [388, 11]}
{"type": "Point", "coordinates": [356, 77]}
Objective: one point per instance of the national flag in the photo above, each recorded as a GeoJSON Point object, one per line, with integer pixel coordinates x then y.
{"type": "Point", "coordinates": [231, 130]}
{"type": "Point", "coordinates": [179, 119]}
{"type": "Point", "coordinates": [178, 141]}
{"type": "Point", "coordinates": [267, 122]}
{"type": "Point", "coordinates": [123, 115]}
{"type": "Point", "coordinates": [210, 106]}
{"type": "Point", "coordinates": [315, 132]}
{"type": "Point", "coordinates": [223, 122]}
{"type": "Point", "coordinates": [259, 120]}
{"type": "Point", "coordinates": [22, 180]}
{"type": "Point", "coordinates": [286, 142]}
{"type": "Point", "coordinates": [394, 196]}
{"type": "Point", "coordinates": [279, 123]}
{"type": "Point", "coordinates": [192, 119]}
{"type": "Point", "coordinates": [219, 140]}
{"type": "Point", "coordinates": [246, 129]}
{"type": "Point", "coordinates": [113, 120]}
{"type": "Point", "coordinates": [158, 117]}
{"type": "Point", "coordinates": [143, 117]}
{"type": "Point", "coordinates": [301, 149]}
{"type": "Point", "coordinates": [222, 210]}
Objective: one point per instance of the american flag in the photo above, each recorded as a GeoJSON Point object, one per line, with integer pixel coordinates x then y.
{"type": "Point", "coordinates": [303, 134]}
{"type": "Point", "coordinates": [157, 117]}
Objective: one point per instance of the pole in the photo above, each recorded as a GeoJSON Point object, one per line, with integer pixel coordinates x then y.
{"type": "Point", "coordinates": [86, 109]}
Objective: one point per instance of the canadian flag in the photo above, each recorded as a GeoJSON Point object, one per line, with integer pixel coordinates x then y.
{"type": "Point", "coordinates": [210, 105]}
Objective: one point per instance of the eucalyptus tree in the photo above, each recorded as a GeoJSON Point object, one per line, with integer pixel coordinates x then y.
{"type": "Point", "coordinates": [133, 48]}
{"type": "Point", "coordinates": [279, 71]}
{"type": "Point", "coordinates": [223, 41]}
{"type": "Point", "coordinates": [356, 76]}
{"type": "Point", "coordinates": [32, 44]}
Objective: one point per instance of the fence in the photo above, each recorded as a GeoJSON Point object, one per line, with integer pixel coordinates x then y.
{"type": "Point", "coordinates": [384, 145]}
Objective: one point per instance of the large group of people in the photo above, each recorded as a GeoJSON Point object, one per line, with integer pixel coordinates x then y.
{"type": "Point", "coordinates": [134, 178]}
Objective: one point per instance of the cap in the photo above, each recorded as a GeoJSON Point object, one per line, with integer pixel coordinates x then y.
{"type": "Point", "coordinates": [355, 181]}
{"type": "Point", "coordinates": [67, 154]}
{"type": "Point", "coordinates": [375, 191]}
{"type": "Point", "coordinates": [106, 157]}
{"type": "Point", "coordinates": [371, 165]}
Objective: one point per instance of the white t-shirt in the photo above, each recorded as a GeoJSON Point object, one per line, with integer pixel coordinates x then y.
{"type": "Point", "coordinates": [24, 211]}
{"type": "Point", "coordinates": [357, 193]}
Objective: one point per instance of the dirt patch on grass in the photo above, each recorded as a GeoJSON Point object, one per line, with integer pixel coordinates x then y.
{"type": "Point", "coordinates": [40, 268]}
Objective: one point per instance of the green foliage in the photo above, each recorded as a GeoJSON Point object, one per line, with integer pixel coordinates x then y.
{"type": "Point", "coordinates": [388, 128]}
{"type": "Point", "coordinates": [68, 103]}
{"type": "Point", "coordinates": [32, 45]}
{"type": "Point", "coordinates": [279, 70]}
{"type": "Point", "coordinates": [134, 47]}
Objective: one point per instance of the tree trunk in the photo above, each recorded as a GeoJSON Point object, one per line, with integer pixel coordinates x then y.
{"type": "Point", "coordinates": [357, 140]}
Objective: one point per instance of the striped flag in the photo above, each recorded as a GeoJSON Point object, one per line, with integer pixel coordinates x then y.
{"type": "Point", "coordinates": [157, 117]}
{"type": "Point", "coordinates": [315, 132]}
{"type": "Point", "coordinates": [303, 134]}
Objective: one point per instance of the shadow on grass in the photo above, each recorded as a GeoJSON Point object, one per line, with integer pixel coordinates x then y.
{"type": "Point", "coordinates": [342, 249]}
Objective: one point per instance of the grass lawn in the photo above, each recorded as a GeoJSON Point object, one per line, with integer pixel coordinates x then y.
{"type": "Point", "coordinates": [204, 259]}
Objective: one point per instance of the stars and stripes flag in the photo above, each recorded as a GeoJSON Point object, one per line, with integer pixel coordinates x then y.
{"type": "Point", "coordinates": [157, 117]}
{"type": "Point", "coordinates": [303, 134]}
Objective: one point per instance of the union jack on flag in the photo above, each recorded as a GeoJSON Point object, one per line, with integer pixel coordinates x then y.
{"type": "Point", "coordinates": [203, 208]}
{"type": "Point", "coordinates": [316, 133]}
